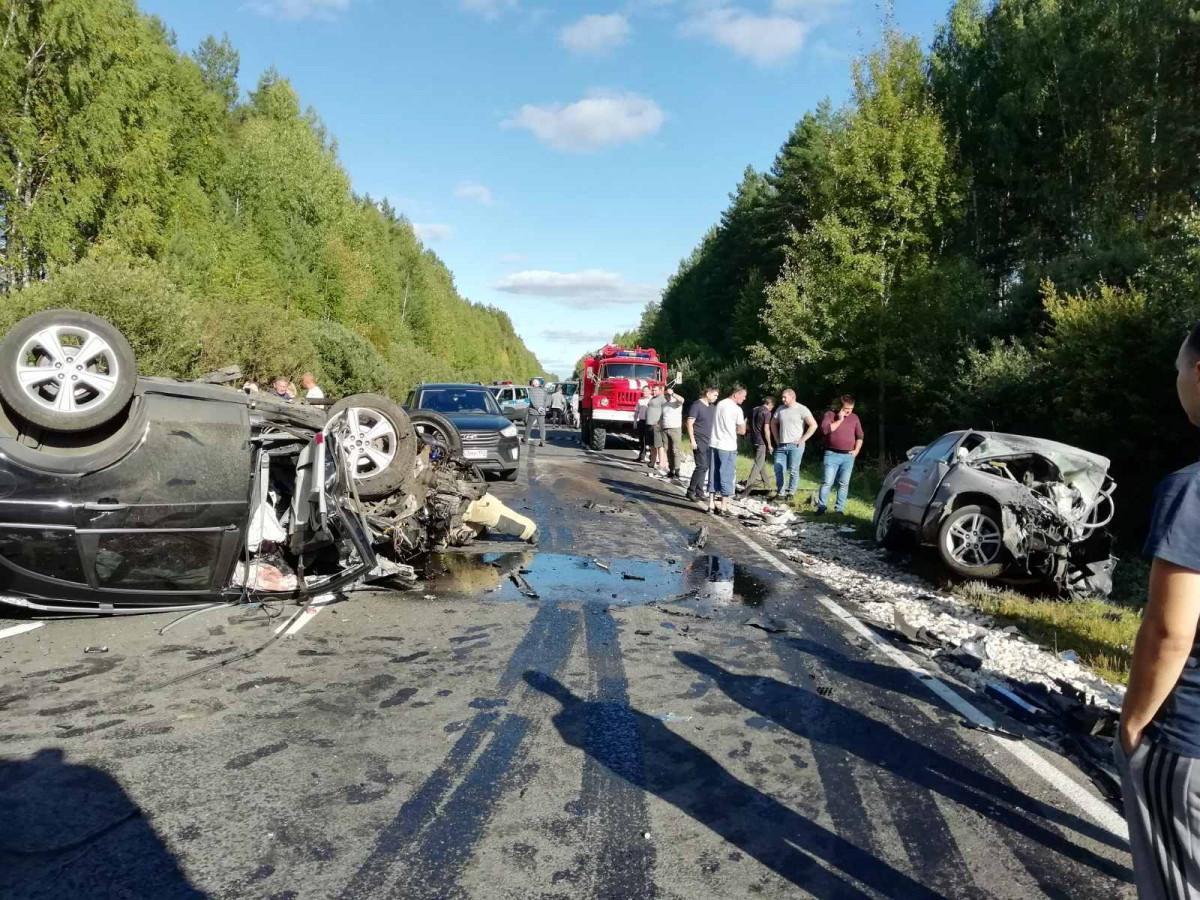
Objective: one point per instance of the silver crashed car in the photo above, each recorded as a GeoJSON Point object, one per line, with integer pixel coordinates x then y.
{"type": "Point", "coordinates": [1003, 506]}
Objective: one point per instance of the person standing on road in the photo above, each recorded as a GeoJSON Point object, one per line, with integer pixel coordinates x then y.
{"type": "Point", "coordinates": [558, 406]}
{"type": "Point", "coordinates": [654, 408]}
{"type": "Point", "coordinates": [671, 426]}
{"type": "Point", "coordinates": [311, 391]}
{"type": "Point", "coordinates": [793, 426]}
{"type": "Point", "coordinates": [843, 440]}
{"type": "Point", "coordinates": [539, 402]}
{"type": "Point", "coordinates": [1157, 749]}
{"type": "Point", "coordinates": [639, 420]}
{"type": "Point", "coordinates": [728, 422]}
{"type": "Point", "coordinates": [699, 429]}
{"type": "Point", "coordinates": [574, 406]}
{"type": "Point", "coordinates": [762, 440]}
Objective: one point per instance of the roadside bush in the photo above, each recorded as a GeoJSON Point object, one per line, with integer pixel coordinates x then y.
{"type": "Point", "coordinates": [155, 315]}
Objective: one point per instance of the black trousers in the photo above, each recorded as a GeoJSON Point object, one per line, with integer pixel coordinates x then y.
{"type": "Point", "coordinates": [698, 486]}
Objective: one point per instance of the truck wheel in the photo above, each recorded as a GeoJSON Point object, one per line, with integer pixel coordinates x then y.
{"type": "Point", "coordinates": [970, 542]}
{"type": "Point", "coordinates": [377, 440]}
{"type": "Point", "coordinates": [597, 438]}
{"type": "Point", "coordinates": [66, 371]}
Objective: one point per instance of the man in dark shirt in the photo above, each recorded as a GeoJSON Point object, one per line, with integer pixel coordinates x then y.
{"type": "Point", "coordinates": [843, 435]}
{"type": "Point", "coordinates": [699, 429]}
{"type": "Point", "coordinates": [762, 441]}
{"type": "Point", "coordinates": [1158, 745]}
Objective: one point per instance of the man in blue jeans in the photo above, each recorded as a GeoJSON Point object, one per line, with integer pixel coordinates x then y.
{"type": "Point", "coordinates": [843, 435]}
{"type": "Point", "coordinates": [792, 426]}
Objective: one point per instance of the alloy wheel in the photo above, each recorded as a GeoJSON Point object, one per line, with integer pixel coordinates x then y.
{"type": "Point", "coordinates": [67, 369]}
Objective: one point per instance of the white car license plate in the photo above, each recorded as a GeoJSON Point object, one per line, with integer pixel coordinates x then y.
{"type": "Point", "coordinates": [475, 453]}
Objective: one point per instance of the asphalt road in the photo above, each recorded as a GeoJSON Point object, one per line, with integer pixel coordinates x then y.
{"type": "Point", "coordinates": [469, 741]}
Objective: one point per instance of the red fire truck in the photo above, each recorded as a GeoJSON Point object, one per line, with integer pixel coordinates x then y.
{"type": "Point", "coordinates": [612, 382]}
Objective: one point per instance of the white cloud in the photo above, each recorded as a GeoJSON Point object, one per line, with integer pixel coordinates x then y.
{"type": "Point", "coordinates": [430, 234]}
{"type": "Point", "coordinates": [602, 119]}
{"type": "Point", "coordinates": [489, 9]}
{"type": "Point", "coordinates": [596, 35]}
{"type": "Point", "coordinates": [576, 336]}
{"type": "Point", "coordinates": [473, 190]}
{"type": "Point", "coordinates": [764, 39]}
{"type": "Point", "coordinates": [300, 9]}
{"type": "Point", "coordinates": [588, 288]}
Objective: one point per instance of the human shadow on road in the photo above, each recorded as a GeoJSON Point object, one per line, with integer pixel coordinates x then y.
{"type": "Point", "coordinates": [814, 718]}
{"type": "Point", "coordinates": [647, 494]}
{"type": "Point", "coordinates": [70, 832]}
{"type": "Point", "coordinates": [679, 772]}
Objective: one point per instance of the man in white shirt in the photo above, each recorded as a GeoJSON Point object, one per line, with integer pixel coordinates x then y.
{"type": "Point", "coordinates": [728, 422]}
{"type": "Point", "coordinates": [639, 419]}
{"type": "Point", "coordinates": [311, 391]}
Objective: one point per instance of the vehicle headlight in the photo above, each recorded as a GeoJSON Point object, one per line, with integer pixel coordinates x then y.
{"type": "Point", "coordinates": [604, 401]}
{"type": "Point", "coordinates": [509, 431]}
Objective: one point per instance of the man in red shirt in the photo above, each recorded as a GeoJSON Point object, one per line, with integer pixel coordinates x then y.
{"type": "Point", "coordinates": [843, 435]}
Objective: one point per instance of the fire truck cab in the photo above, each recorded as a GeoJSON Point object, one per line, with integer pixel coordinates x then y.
{"type": "Point", "coordinates": [611, 385]}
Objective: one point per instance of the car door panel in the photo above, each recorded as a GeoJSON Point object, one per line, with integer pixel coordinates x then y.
{"type": "Point", "coordinates": [920, 478]}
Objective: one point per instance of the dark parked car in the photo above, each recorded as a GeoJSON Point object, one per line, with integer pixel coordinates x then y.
{"type": "Point", "coordinates": [121, 493]}
{"type": "Point", "coordinates": [489, 439]}
{"type": "Point", "coordinates": [1005, 506]}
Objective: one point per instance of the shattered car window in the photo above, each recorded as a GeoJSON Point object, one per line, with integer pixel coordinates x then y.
{"type": "Point", "coordinates": [157, 561]}
{"type": "Point", "coordinates": [940, 449]}
{"type": "Point", "coordinates": [51, 553]}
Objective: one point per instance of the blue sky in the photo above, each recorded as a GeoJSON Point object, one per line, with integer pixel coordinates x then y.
{"type": "Point", "coordinates": [561, 157]}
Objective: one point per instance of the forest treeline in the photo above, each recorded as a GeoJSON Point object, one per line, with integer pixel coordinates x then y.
{"type": "Point", "coordinates": [136, 182]}
{"type": "Point", "coordinates": [1001, 232]}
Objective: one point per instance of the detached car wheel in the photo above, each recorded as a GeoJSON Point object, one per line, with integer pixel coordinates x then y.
{"type": "Point", "coordinates": [435, 429]}
{"type": "Point", "coordinates": [887, 533]}
{"type": "Point", "coordinates": [376, 437]}
{"type": "Point", "coordinates": [970, 542]}
{"type": "Point", "coordinates": [66, 371]}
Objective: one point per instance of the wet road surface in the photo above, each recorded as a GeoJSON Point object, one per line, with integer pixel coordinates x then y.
{"type": "Point", "coordinates": [604, 718]}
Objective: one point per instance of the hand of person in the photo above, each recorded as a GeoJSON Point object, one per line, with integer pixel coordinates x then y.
{"type": "Point", "coordinates": [841, 414]}
{"type": "Point", "coordinates": [1130, 739]}
{"type": "Point", "coordinates": [854, 454]}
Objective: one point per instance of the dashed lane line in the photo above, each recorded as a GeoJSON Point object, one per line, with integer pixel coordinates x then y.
{"type": "Point", "coordinates": [1097, 810]}
{"type": "Point", "coordinates": [20, 629]}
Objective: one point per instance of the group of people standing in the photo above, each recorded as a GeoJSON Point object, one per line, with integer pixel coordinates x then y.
{"type": "Point", "coordinates": [779, 433]}
{"type": "Point", "coordinates": [659, 420]}
{"type": "Point", "coordinates": [542, 402]}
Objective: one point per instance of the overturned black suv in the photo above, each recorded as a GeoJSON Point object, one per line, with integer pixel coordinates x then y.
{"type": "Point", "coordinates": [122, 494]}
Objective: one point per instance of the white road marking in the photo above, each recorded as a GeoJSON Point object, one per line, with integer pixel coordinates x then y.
{"type": "Point", "coordinates": [20, 629]}
{"type": "Point", "coordinates": [294, 624]}
{"type": "Point", "coordinates": [1097, 810]}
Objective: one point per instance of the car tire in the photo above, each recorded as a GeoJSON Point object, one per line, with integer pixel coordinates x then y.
{"type": "Point", "coordinates": [435, 429]}
{"type": "Point", "coordinates": [381, 465]}
{"type": "Point", "coordinates": [887, 532]}
{"type": "Point", "coordinates": [104, 382]}
{"type": "Point", "coordinates": [509, 475]}
{"type": "Point", "coordinates": [970, 542]}
{"type": "Point", "coordinates": [597, 438]}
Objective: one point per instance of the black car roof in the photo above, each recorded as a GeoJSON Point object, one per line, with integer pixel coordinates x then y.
{"type": "Point", "coordinates": [452, 384]}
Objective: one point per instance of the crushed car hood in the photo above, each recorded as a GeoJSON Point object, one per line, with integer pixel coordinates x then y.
{"type": "Point", "coordinates": [1080, 469]}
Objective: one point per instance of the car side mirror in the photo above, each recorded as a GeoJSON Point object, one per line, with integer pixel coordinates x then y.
{"type": "Point", "coordinates": [913, 451]}
{"type": "Point", "coordinates": [678, 379]}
